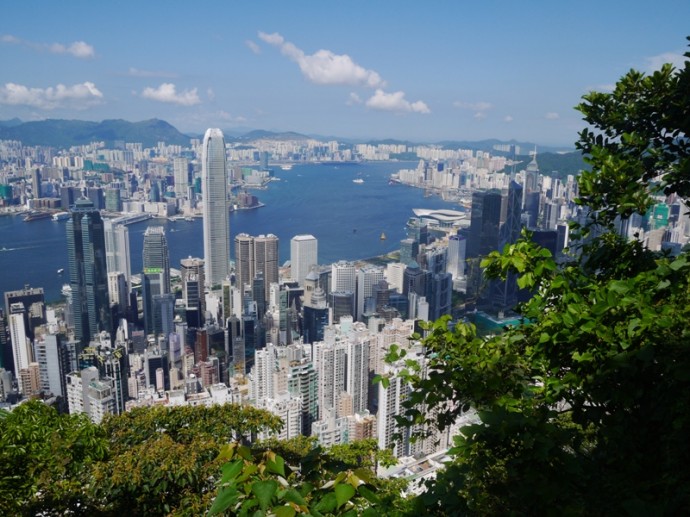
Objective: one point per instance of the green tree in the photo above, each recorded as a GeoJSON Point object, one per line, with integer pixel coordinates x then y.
{"type": "Point", "coordinates": [166, 460]}
{"type": "Point", "coordinates": [45, 460]}
{"type": "Point", "coordinates": [583, 407]}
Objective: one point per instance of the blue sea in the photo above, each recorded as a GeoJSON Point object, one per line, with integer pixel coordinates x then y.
{"type": "Point", "coordinates": [347, 219]}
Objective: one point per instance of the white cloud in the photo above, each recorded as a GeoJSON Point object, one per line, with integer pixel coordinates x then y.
{"type": "Point", "coordinates": [79, 49]}
{"type": "Point", "coordinates": [677, 59]}
{"type": "Point", "coordinates": [353, 99]}
{"type": "Point", "coordinates": [274, 39]}
{"type": "Point", "coordinates": [551, 115]}
{"type": "Point", "coordinates": [323, 66]}
{"type": "Point", "coordinates": [210, 94]}
{"type": "Point", "coordinates": [137, 72]}
{"type": "Point", "coordinates": [473, 106]}
{"type": "Point", "coordinates": [395, 102]}
{"type": "Point", "coordinates": [253, 46]}
{"type": "Point", "coordinates": [166, 92]}
{"type": "Point", "coordinates": [507, 118]}
{"type": "Point", "coordinates": [78, 96]}
{"type": "Point", "coordinates": [480, 115]}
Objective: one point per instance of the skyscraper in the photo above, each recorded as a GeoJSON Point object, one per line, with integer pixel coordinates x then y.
{"type": "Point", "coordinates": [244, 260]}
{"type": "Point", "coordinates": [180, 170]}
{"type": "Point", "coordinates": [214, 187]}
{"type": "Point", "coordinates": [192, 272]}
{"type": "Point", "coordinates": [156, 276]}
{"type": "Point", "coordinates": [303, 255]}
{"type": "Point", "coordinates": [87, 271]}
{"type": "Point", "coordinates": [117, 248]}
{"type": "Point", "coordinates": [266, 259]}
{"type": "Point", "coordinates": [21, 344]}
{"type": "Point", "coordinates": [367, 278]}
{"type": "Point", "coordinates": [343, 276]}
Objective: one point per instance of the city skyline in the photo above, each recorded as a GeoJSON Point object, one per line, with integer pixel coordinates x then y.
{"type": "Point", "coordinates": [448, 71]}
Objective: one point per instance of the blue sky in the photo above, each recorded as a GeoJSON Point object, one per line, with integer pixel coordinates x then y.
{"type": "Point", "coordinates": [424, 71]}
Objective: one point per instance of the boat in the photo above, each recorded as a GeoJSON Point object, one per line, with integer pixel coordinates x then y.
{"type": "Point", "coordinates": [60, 216]}
{"type": "Point", "coordinates": [35, 216]}
{"type": "Point", "coordinates": [359, 181]}
{"type": "Point", "coordinates": [383, 236]}
{"type": "Point", "coordinates": [60, 271]}
{"type": "Point", "coordinates": [286, 167]}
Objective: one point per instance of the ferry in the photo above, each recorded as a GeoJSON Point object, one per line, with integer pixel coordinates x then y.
{"type": "Point", "coordinates": [286, 167]}
{"type": "Point", "coordinates": [60, 216]}
{"type": "Point", "coordinates": [359, 181]}
{"type": "Point", "coordinates": [35, 216]}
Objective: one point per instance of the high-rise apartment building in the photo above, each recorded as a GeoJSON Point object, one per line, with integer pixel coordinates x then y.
{"type": "Point", "coordinates": [21, 343]}
{"type": "Point", "coordinates": [181, 176]}
{"type": "Point", "coordinates": [33, 300]}
{"type": "Point", "coordinates": [52, 355]}
{"type": "Point", "coordinates": [88, 271]}
{"type": "Point", "coordinates": [214, 188]}
{"type": "Point", "coordinates": [303, 255]}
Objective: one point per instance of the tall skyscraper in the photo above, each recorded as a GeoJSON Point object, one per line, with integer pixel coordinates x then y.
{"type": "Point", "coordinates": [180, 171]}
{"type": "Point", "coordinates": [21, 343]}
{"type": "Point", "coordinates": [244, 260]}
{"type": "Point", "coordinates": [343, 276]}
{"type": "Point", "coordinates": [303, 255]}
{"type": "Point", "coordinates": [367, 278]}
{"type": "Point", "coordinates": [192, 273]}
{"type": "Point", "coordinates": [254, 257]}
{"type": "Point", "coordinates": [266, 259]}
{"type": "Point", "coordinates": [117, 248]}
{"type": "Point", "coordinates": [457, 249]}
{"type": "Point", "coordinates": [214, 187]}
{"type": "Point", "coordinates": [33, 300]}
{"type": "Point", "coordinates": [156, 276]}
{"type": "Point", "coordinates": [88, 271]}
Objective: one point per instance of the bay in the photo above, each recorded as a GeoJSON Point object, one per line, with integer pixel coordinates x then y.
{"type": "Point", "coordinates": [347, 218]}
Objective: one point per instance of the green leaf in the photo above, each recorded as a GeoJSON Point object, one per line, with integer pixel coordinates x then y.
{"type": "Point", "coordinates": [276, 466]}
{"type": "Point", "coordinates": [226, 497]}
{"type": "Point", "coordinates": [293, 496]}
{"type": "Point", "coordinates": [284, 511]}
{"type": "Point", "coordinates": [328, 503]}
{"type": "Point", "coordinates": [368, 494]}
{"type": "Point", "coordinates": [343, 493]}
{"type": "Point", "coordinates": [264, 491]}
{"type": "Point", "coordinates": [231, 470]}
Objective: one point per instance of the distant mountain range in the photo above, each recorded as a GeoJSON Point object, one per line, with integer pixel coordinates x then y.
{"type": "Point", "coordinates": [66, 133]}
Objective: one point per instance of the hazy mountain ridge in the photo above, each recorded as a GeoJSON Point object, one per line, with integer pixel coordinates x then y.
{"type": "Point", "coordinates": [66, 133]}
{"type": "Point", "coordinates": [62, 133]}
